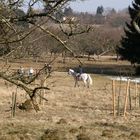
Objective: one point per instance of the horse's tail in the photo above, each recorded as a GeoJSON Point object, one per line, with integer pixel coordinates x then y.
{"type": "Point", "coordinates": [89, 79]}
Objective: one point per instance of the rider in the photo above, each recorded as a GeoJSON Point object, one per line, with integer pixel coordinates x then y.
{"type": "Point", "coordinates": [21, 71]}
{"type": "Point", "coordinates": [80, 71]}
{"type": "Point", "coordinates": [31, 71]}
{"type": "Point", "coordinates": [48, 68]}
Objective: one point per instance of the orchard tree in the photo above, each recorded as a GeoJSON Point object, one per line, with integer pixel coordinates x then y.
{"type": "Point", "coordinates": [16, 27]}
{"type": "Point", "coordinates": [12, 17]}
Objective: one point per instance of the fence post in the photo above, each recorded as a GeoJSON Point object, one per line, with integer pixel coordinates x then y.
{"type": "Point", "coordinates": [136, 94]}
{"type": "Point", "coordinates": [14, 96]}
{"type": "Point", "coordinates": [130, 104]}
{"type": "Point", "coordinates": [126, 97]}
{"type": "Point", "coordinates": [118, 113]}
{"type": "Point", "coordinates": [113, 96]}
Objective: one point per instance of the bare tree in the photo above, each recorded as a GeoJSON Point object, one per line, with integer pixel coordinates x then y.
{"type": "Point", "coordinates": [17, 26]}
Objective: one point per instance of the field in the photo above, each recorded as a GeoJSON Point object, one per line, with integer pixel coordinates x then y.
{"type": "Point", "coordinates": [70, 113]}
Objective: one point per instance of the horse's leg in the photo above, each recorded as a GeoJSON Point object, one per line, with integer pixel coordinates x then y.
{"type": "Point", "coordinates": [85, 83]}
{"type": "Point", "coordinates": [88, 85]}
{"type": "Point", "coordinates": [75, 83]}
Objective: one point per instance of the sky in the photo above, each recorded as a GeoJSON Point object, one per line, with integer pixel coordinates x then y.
{"type": "Point", "coordinates": [91, 5]}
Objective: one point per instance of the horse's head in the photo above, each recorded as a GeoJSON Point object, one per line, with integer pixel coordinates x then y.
{"type": "Point", "coordinates": [70, 72]}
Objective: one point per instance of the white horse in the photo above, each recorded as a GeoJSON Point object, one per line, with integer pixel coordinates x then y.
{"type": "Point", "coordinates": [86, 78]}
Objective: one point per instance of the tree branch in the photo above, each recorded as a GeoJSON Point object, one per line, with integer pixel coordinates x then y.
{"type": "Point", "coordinates": [59, 40]}
{"type": "Point", "coordinates": [135, 24]}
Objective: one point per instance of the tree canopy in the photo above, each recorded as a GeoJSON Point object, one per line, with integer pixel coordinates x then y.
{"type": "Point", "coordinates": [100, 10]}
{"type": "Point", "coordinates": [130, 43]}
{"type": "Point", "coordinates": [17, 24]}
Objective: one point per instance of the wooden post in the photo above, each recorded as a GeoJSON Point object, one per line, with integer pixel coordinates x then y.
{"type": "Point", "coordinates": [43, 102]}
{"type": "Point", "coordinates": [130, 105]}
{"type": "Point", "coordinates": [126, 97]}
{"type": "Point", "coordinates": [40, 99]}
{"type": "Point", "coordinates": [42, 92]}
{"type": "Point", "coordinates": [136, 86]}
{"type": "Point", "coordinates": [14, 94]}
{"type": "Point", "coordinates": [6, 62]}
{"type": "Point", "coordinates": [139, 99]}
{"type": "Point", "coordinates": [113, 96]}
{"type": "Point", "coordinates": [43, 95]}
{"type": "Point", "coordinates": [118, 113]}
{"type": "Point", "coordinates": [138, 94]}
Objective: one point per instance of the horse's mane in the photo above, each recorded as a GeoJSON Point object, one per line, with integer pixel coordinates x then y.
{"type": "Point", "coordinates": [71, 70]}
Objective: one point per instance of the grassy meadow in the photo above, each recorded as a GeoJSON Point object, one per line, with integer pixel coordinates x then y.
{"type": "Point", "coordinates": [70, 113]}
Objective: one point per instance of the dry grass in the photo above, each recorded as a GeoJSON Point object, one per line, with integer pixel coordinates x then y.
{"type": "Point", "coordinates": [70, 113]}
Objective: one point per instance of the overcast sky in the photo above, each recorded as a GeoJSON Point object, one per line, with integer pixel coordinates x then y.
{"type": "Point", "coordinates": [91, 5]}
